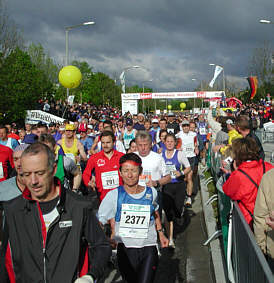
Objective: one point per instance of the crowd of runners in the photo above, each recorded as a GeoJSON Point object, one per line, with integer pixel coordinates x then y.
{"type": "Point", "coordinates": [101, 181]}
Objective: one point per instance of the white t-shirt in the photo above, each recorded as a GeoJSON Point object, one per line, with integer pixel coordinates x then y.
{"type": "Point", "coordinates": [188, 143]}
{"type": "Point", "coordinates": [154, 167]}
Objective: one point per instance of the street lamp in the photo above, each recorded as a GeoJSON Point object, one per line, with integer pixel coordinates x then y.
{"type": "Point", "coordinates": [193, 79]}
{"type": "Point", "coordinates": [263, 21]}
{"type": "Point", "coordinates": [67, 29]}
{"type": "Point", "coordinates": [122, 75]}
{"type": "Point", "coordinates": [151, 80]}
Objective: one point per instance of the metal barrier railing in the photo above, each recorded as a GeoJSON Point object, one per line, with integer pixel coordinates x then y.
{"type": "Point", "coordinates": [245, 261]}
{"type": "Point", "coordinates": [248, 261]}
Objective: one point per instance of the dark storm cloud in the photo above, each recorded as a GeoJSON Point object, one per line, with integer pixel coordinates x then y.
{"type": "Point", "coordinates": [174, 39]}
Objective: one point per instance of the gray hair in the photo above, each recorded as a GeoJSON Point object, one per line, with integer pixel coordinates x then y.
{"type": "Point", "coordinates": [143, 135]}
{"type": "Point", "coordinates": [39, 147]}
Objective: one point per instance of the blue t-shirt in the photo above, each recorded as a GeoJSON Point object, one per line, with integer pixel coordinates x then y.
{"type": "Point", "coordinates": [14, 143]}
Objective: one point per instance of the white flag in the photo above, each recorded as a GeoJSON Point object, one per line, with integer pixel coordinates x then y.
{"type": "Point", "coordinates": [122, 79]}
{"type": "Point", "coordinates": [218, 70]}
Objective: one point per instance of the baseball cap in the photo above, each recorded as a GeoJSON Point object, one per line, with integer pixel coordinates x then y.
{"type": "Point", "coordinates": [154, 121]}
{"type": "Point", "coordinates": [229, 122]}
{"type": "Point", "coordinates": [171, 114]}
{"type": "Point", "coordinates": [30, 138]}
{"type": "Point", "coordinates": [90, 127]}
{"type": "Point", "coordinates": [70, 127]}
{"type": "Point", "coordinates": [129, 122]}
{"type": "Point", "coordinates": [185, 122]}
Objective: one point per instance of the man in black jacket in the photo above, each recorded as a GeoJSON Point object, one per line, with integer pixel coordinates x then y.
{"type": "Point", "coordinates": [50, 234]}
{"type": "Point", "coordinates": [244, 126]}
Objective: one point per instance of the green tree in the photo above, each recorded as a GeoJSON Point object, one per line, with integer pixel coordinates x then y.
{"type": "Point", "coordinates": [21, 85]}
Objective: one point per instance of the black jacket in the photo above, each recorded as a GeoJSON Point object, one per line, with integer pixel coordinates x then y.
{"type": "Point", "coordinates": [75, 231]}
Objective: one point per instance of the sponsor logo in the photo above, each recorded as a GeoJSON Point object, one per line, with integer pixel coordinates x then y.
{"type": "Point", "coordinates": [201, 94]}
{"type": "Point", "coordinates": [101, 162]}
{"type": "Point", "coordinates": [145, 95]}
{"type": "Point", "coordinates": [65, 224]}
{"type": "Point", "coordinates": [148, 196]}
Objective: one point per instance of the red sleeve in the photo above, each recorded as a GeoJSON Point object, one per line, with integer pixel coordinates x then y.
{"type": "Point", "coordinates": [87, 172]}
{"type": "Point", "coordinates": [11, 158]}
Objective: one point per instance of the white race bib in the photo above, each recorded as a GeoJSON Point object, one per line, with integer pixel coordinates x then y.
{"type": "Point", "coordinates": [71, 156]}
{"type": "Point", "coordinates": [189, 147]}
{"type": "Point", "coordinates": [134, 222]}
{"type": "Point", "coordinates": [202, 131]}
{"type": "Point", "coordinates": [170, 168]}
{"type": "Point", "coordinates": [110, 180]}
{"type": "Point", "coordinates": [1, 170]}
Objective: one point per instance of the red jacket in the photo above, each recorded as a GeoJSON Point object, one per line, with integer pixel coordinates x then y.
{"type": "Point", "coordinates": [101, 164]}
{"type": "Point", "coordinates": [6, 160]}
{"type": "Point", "coordinates": [238, 187]}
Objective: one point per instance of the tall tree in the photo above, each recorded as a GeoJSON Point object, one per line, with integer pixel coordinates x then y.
{"type": "Point", "coordinates": [21, 85]}
{"type": "Point", "coordinates": [10, 36]}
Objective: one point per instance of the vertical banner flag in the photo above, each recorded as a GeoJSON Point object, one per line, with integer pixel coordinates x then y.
{"type": "Point", "coordinates": [253, 83]}
{"type": "Point", "coordinates": [218, 70]}
{"type": "Point", "coordinates": [122, 79]}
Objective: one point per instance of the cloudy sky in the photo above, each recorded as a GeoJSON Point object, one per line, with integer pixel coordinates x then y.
{"type": "Point", "coordinates": [175, 40]}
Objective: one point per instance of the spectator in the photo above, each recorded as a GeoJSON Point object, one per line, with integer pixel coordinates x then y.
{"type": "Point", "coordinates": [242, 185]}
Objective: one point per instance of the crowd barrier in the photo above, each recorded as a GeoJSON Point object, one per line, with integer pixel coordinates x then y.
{"type": "Point", "coordinates": [245, 261]}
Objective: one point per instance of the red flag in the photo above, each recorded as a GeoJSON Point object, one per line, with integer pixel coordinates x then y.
{"type": "Point", "coordinates": [253, 83]}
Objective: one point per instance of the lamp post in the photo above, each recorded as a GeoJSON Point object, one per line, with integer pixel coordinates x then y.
{"type": "Point", "coordinates": [193, 79]}
{"type": "Point", "coordinates": [143, 93]}
{"type": "Point", "coordinates": [122, 75]}
{"type": "Point", "coordinates": [67, 29]}
{"type": "Point", "coordinates": [263, 21]}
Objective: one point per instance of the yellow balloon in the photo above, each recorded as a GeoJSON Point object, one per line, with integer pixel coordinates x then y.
{"type": "Point", "coordinates": [182, 105]}
{"type": "Point", "coordinates": [169, 107]}
{"type": "Point", "coordinates": [70, 77]}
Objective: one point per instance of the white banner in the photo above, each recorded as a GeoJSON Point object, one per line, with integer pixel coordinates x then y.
{"type": "Point", "coordinates": [130, 106]}
{"type": "Point", "coordinates": [35, 116]}
{"type": "Point", "coordinates": [171, 95]}
{"type": "Point", "coordinates": [218, 70]}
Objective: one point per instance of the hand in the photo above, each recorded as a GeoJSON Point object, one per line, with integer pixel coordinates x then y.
{"type": "Point", "coordinates": [160, 150]}
{"type": "Point", "coordinates": [269, 220]}
{"type": "Point", "coordinates": [84, 279]}
{"type": "Point", "coordinates": [92, 183]}
{"type": "Point", "coordinates": [163, 240]}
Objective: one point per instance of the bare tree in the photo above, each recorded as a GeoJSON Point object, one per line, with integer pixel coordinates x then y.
{"type": "Point", "coordinates": [260, 63]}
{"type": "Point", "coordinates": [10, 36]}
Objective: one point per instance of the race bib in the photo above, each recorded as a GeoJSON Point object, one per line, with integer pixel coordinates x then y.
{"type": "Point", "coordinates": [144, 178]}
{"type": "Point", "coordinates": [202, 131]}
{"type": "Point", "coordinates": [110, 180]}
{"type": "Point", "coordinates": [134, 222]}
{"type": "Point", "coordinates": [1, 170]}
{"type": "Point", "coordinates": [170, 168]}
{"type": "Point", "coordinates": [189, 147]}
{"type": "Point", "coordinates": [71, 156]}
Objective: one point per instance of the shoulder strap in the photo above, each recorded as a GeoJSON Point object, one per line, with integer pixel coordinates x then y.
{"type": "Point", "coordinates": [263, 166]}
{"type": "Point", "coordinates": [255, 184]}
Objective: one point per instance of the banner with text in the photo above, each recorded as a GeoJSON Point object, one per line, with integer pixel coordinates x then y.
{"type": "Point", "coordinates": [171, 95]}
{"type": "Point", "coordinates": [130, 106]}
{"type": "Point", "coordinates": [35, 116]}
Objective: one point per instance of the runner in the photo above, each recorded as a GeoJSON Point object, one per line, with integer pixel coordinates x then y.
{"type": "Point", "coordinates": [106, 166]}
{"type": "Point", "coordinates": [137, 222]}
{"type": "Point", "coordinates": [190, 148]}
{"type": "Point", "coordinates": [6, 162]}
{"type": "Point", "coordinates": [174, 193]}
{"type": "Point", "coordinates": [129, 133]}
{"type": "Point", "coordinates": [14, 186]}
{"type": "Point", "coordinates": [4, 140]}
{"type": "Point", "coordinates": [71, 145]}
